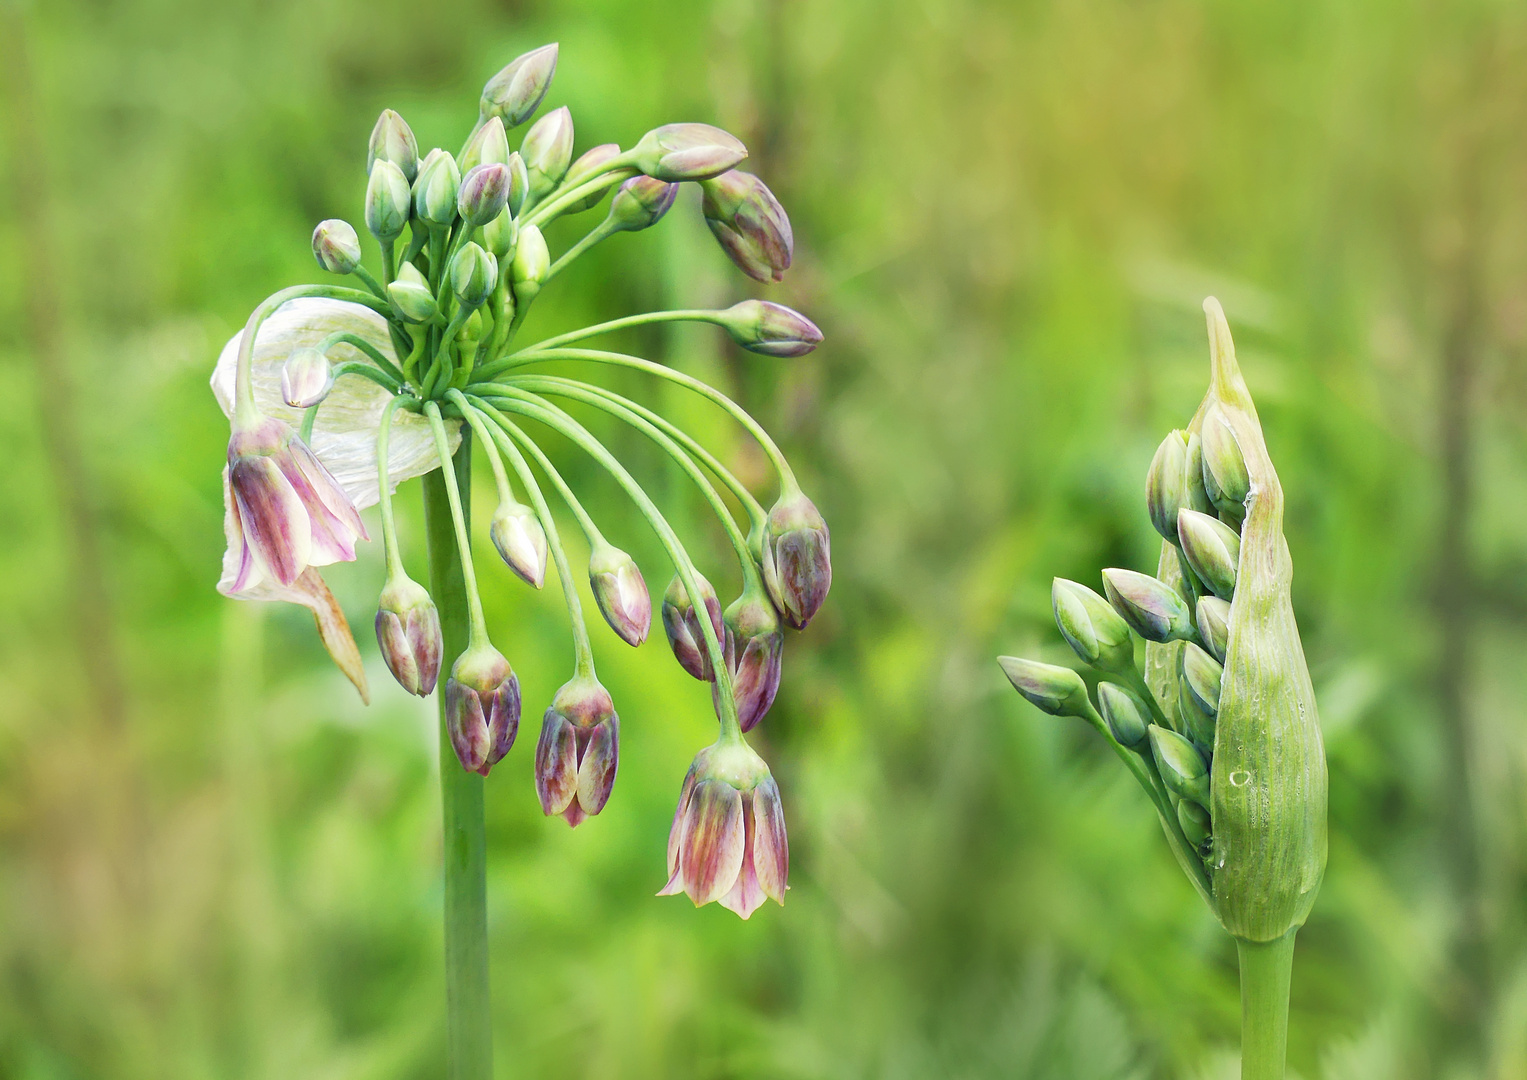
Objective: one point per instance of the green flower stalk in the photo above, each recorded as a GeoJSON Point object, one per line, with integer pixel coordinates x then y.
{"type": "Point", "coordinates": [1222, 720]}
{"type": "Point", "coordinates": [337, 393]}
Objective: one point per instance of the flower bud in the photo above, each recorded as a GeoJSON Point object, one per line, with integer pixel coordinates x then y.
{"type": "Point", "coordinates": [754, 650]}
{"type": "Point", "coordinates": [487, 146]}
{"type": "Point", "coordinates": [519, 184]}
{"type": "Point", "coordinates": [621, 593]}
{"type": "Point", "coordinates": [1197, 498]}
{"type": "Point", "coordinates": [547, 151]}
{"type": "Point", "coordinates": [749, 223]}
{"type": "Point", "coordinates": [482, 708]}
{"type": "Point", "coordinates": [1152, 609]}
{"type": "Point", "coordinates": [500, 234]}
{"type": "Point", "coordinates": [797, 558]}
{"type": "Point", "coordinates": [682, 624]}
{"type": "Point", "coordinates": [1058, 691]}
{"type": "Point", "coordinates": [578, 751]}
{"type": "Point", "coordinates": [388, 202]}
{"type": "Point", "coordinates": [408, 633]}
{"type": "Point", "coordinates": [516, 92]}
{"type": "Point", "coordinates": [676, 152]}
{"type": "Point", "coordinates": [640, 202]}
{"type": "Point", "coordinates": [1182, 767]}
{"type": "Point", "coordinates": [336, 247]}
{"type": "Point", "coordinates": [588, 165]}
{"type": "Point", "coordinates": [474, 273]}
{"type": "Point", "coordinates": [728, 838]}
{"type": "Point", "coordinates": [1212, 549]}
{"type": "Point", "coordinates": [411, 296]}
{"type": "Point", "coordinates": [483, 194]}
{"type": "Point", "coordinates": [1225, 476]}
{"type": "Point", "coordinates": [435, 189]}
{"type": "Point", "coordinates": [1093, 629]}
{"type": "Point", "coordinates": [1165, 484]}
{"type": "Point", "coordinates": [1194, 820]}
{"type": "Point", "coordinates": [763, 326]}
{"type": "Point", "coordinates": [531, 264]}
{"type": "Point", "coordinates": [521, 542]}
{"type": "Point", "coordinates": [392, 140]}
{"type": "Point", "coordinates": [1127, 716]}
{"type": "Point", "coordinates": [306, 378]}
{"type": "Point", "coordinates": [1214, 625]}
{"type": "Point", "coordinates": [1198, 678]}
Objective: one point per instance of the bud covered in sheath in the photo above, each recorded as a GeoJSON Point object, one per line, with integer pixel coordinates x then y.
{"type": "Point", "coordinates": [482, 707]}
{"type": "Point", "coordinates": [516, 91]}
{"type": "Point", "coordinates": [797, 558]}
{"type": "Point", "coordinates": [1212, 549]}
{"type": "Point", "coordinates": [621, 593]}
{"type": "Point", "coordinates": [483, 194]}
{"type": "Point", "coordinates": [411, 295]}
{"type": "Point", "coordinates": [1153, 609]}
{"type": "Point", "coordinates": [1193, 478]}
{"type": "Point", "coordinates": [762, 326]}
{"type": "Point", "coordinates": [640, 202]}
{"type": "Point", "coordinates": [388, 202]}
{"type": "Point", "coordinates": [1058, 691]}
{"type": "Point", "coordinates": [1094, 630]}
{"type": "Point", "coordinates": [408, 634]}
{"type": "Point", "coordinates": [306, 378]}
{"type": "Point", "coordinates": [749, 223]}
{"type": "Point", "coordinates": [1166, 484]}
{"type": "Point", "coordinates": [1127, 716]}
{"type": "Point", "coordinates": [578, 752]}
{"type": "Point", "coordinates": [754, 649]}
{"type": "Point", "coordinates": [521, 542]}
{"type": "Point", "coordinates": [1197, 694]}
{"type": "Point", "coordinates": [676, 152]}
{"type": "Point", "coordinates": [435, 189]}
{"type": "Point", "coordinates": [548, 151]}
{"type": "Point", "coordinates": [392, 140]}
{"type": "Point", "coordinates": [474, 273]}
{"type": "Point", "coordinates": [531, 264]}
{"type": "Point", "coordinates": [589, 164]}
{"type": "Point", "coordinates": [1194, 820]}
{"type": "Point", "coordinates": [681, 622]}
{"type": "Point", "coordinates": [1182, 767]}
{"type": "Point", "coordinates": [1214, 625]}
{"type": "Point", "coordinates": [1225, 476]}
{"type": "Point", "coordinates": [336, 247]}
{"type": "Point", "coordinates": [487, 146]}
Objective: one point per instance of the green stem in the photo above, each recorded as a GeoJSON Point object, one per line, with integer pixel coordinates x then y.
{"type": "Point", "coordinates": [344, 337]}
{"type": "Point", "coordinates": [612, 172]}
{"type": "Point", "coordinates": [646, 318]}
{"type": "Point", "coordinates": [1266, 969]}
{"type": "Point", "coordinates": [595, 235]}
{"type": "Point", "coordinates": [469, 1030]}
{"type": "Point", "coordinates": [459, 511]}
{"type": "Point", "coordinates": [384, 490]}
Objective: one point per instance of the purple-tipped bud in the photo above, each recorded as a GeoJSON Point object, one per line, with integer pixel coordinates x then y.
{"type": "Point", "coordinates": [408, 633]}
{"type": "Point", "coordinates": [588, 165]}
{"type": "Point", "coordinates": [482, 708]}
{"type": "Point", "coordinates": [516, 92]}
{"type": "Point", "coordinates": [682, 624]}
{"type": "Point", "coordinates": [483, 194]}
{"type": "Point", "coordinates": [306, 378]}
{"type": "Point", "coordinates": [435, 189]}
{"type": "Point", "coordinates": [621, 593]}
{"type": "Point", "coordinates": [750, 224]}
{"type": "Point", "coordinates": [641, 202]}
{"type": "Point", "coordinates": [1153, 609]}
{"type": "Point", "coordinates": [728, 839]}
{"type": "Point", "coordinates": [763, 326]}
{"type": "Point", "coordinates": [487, 146]}
{"type": "Point", "coordinates": [388, 202]}
{"type": "Point", "coordinates": [676, 152]}
{"type": "Point", "coordinates": [797, 558]}
{"type": "Point", "coordinates": [755, 647]}
{"type": "Point", "coordinates": [1058, 691]}
{"type": "Point", "coordinates": [521, 542]}
{"type": "Point", "coordinates": [1093, 629]}
{"type": "Point", "coordinates": [548, 151]}
{"type": "Point", "coordinates": [336, 247]}
{"type": "Point", "coordinates": [411, 295]}
{"type": "Point", "coordinates": [1212, 549]}
{"type": "Point", "coordinates": [392, 140]}
{"type": "Point", "coordinates": [579, 751]}
{"type": "Point", "coordinates": [474, 273]}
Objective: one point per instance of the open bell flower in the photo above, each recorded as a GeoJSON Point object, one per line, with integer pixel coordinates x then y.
{"type": "Point", "coordinates": [728, 838]}
{"type": "Point", "coordinates": [578, 752]}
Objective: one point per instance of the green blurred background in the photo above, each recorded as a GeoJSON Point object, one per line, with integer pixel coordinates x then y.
{"type": "Point", "coordinates": [215, 863]}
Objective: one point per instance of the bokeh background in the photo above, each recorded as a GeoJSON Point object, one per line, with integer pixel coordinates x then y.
{"type": "Point", "coordinates": [215, 863]}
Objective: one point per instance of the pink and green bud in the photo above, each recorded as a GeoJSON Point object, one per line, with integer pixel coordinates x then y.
{"type": "Point", "coordinates": [676, 152]}
{"type": "Point", "coordinates": [1094, 630]}
{"type": "Point", "coordinates": [521, 542]}
{"type": "Point", "coordinates": [589, 165]}
{"type": "Point", "coordinates": [411, 295]}
{"type": "Point", "coordinates": [482, 708]}
{"type": "Point", "coordinates": [1128, 717]}
{"type": "Point", "coordinates": [408, 633]}
{"type": "Point", "coordinates": [682, 624]}
{"type": "Point", "coordinates": [474, 273]}
{"type": "Point", "coordinates": [306, 378]}
{"type": "Point", "coordinates": [548, 151]}
{"type": "Point", "coordinates": [1183, 769]}
{"type": "Point", "coordinates": [728, 839]}
{"type": "Point", "coordinates": [1214, 625]}
{"type": "Point", "coordinates": [1058, 691]}
{"type": "Point", "coordinates": [1166, 484]}
{"type": "Point", "coordinates": [516, 91]}
{"type": "Point", "coordinates": [392, 140]}
{"type": "Point", "coordinates": [797, 558]}
{"type": "Point", "coordinates": [763, 326]}
{"type": "Point", "coordinates": [1153, 609]}
{"type": "Point", "coordinates": [754, 650]}
{"type": "Point", "coordinates": [336, 247]}
{"type": "Point", "coordinates": [487, 146]}
{"type": "Point", "coordinates": [388, 202]}
{"type": "Point", "coordinates": [1225, 477]}
{"type": "Point", "coordinates": [621, 593]}
{"type": "Point", "coordinates": [578, 752]}
{"type": "Point", "coordinates": [749, 223]}
{"type": "Point", "coordinates": [641, 202]}
{"type": "Point", "coordinates": [435, 189]}
{"type": "Point", "coordinates": [1212, 549]}
{"type": "Point", "coordinates": [483, 194]}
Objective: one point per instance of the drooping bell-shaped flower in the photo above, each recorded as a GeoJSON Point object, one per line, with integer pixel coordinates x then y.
{"type": "Point", "coordinates": [521, 542]}
{"type": "Point", "coordinates": [754, 650]}
{"type": "Point", "coordinates": [749, 223]}
{"type": "Point", "coordinates": [482, 707]}
{"type": "Point", "coordinates": [578, 752]}
{"type": "Point", "coordinates": [408, 634]}
{"type": "Point", "coordinates": [728, 838]}
{"type": "Point", "coordinates": [621, 593]}
{"type": "Point", "coordinates": [797, 558]}
{"type": "Point", "coordinates": [681, 623]}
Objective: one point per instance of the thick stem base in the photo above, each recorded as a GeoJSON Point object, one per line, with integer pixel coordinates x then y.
{"type": "Point", "coordinates": [1266, 969]}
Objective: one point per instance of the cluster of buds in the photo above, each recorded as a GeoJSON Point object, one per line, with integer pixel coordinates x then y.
{"type": "Point", "coordinates": [338, 393]}
{"type": "Point", "coordinates": [1219, 726]}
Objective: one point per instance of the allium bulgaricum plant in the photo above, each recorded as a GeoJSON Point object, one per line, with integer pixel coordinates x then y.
{"type": "Point", "coordinates": [1219, 727]}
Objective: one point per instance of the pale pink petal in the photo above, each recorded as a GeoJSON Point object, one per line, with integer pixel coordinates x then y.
{"type": "Point", "coordinates": [596, 772]}
{"type": "Point", "coordinates": [274, 520]}
{"type": "Point", "coordinates": [771, 848]}
{"type": "Point", "coordinates": [676, 830]}
{"type": "Point", "coordinates": [745, 896]}
{"type": "Point", "coordinates": [556, 764]}
{"type": "Point", "coordinates": [714, 841]}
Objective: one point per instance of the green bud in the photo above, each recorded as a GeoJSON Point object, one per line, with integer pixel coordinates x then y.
{"type": "Point", "coordinates": [392, 140]}
{"type": "Point", "coordinates": [1212, 549]}
{"type": "Point", "coordinates": [1058, 691]}
{"type": "Point", "coordinates": [435, 189]}
{"type": "Point", "coordinates": [499, 235]}
{"type": "Point", "coordinates": [411, 295]}
{"type": "Point", "coordinates": [1225, 477]}
{"type": "Point", "coordinates": [548, 151]}
{"type": "Point", "coordinates": [1182, 767]}
{"type": "Point", "coordinates": [519, 184]}
{"type": "Point", "coordinates": [1165, 484]}
{"type": "Point", "coordinates": [336, 247]}
{"type": "Point", "coordinates": [1193, 479]}
{"type": "Point", "coordinates": [388, 201]}
{"type": "Point", "coordinates": [483, 194]}
{"type": "Point", "coordinates": [530, 265]}
{"type": "Point", "coordinates": [474, 273]}
{"type": "Point", "coordinates": [590, 164]}
{"type": "Point", "coordinates": [1197, 695]}
{"type": "Point", "coordinates": [763, 326]}
{"type": "Point", "coordinates": [1093, 629]}
{"type": "Point", "coordinates": [516, 92]}
{"type": "Point", "coordinates": [1154, 610]}
{"type": "Point", "coordinates": [471, 329]}
{"type": "Point", "coordinates": [676, 152]}
{"type": "Point", "coordinates": [487, 146]}
{"type": "Point", "coordinates": [1214, 625]}
{"type": "Point", "coordinates": [1127, 715]}
{"type": "Point", "coordinates": [1194, 820]}
{"type": "Point", "coordinates": [640, 203]}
